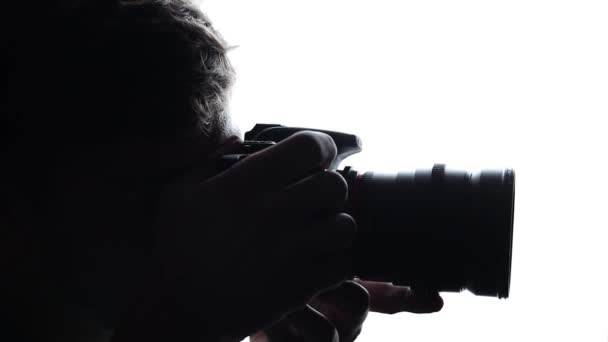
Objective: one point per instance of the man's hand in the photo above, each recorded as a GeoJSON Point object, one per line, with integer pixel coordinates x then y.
{"type": "Point", "coordinates": [338, 314]}
{"type": "Point", "coordinates": [241, 250]}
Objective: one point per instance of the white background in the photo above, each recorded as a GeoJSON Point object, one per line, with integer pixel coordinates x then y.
{"type": "Point", "coordinates": [474, 84]}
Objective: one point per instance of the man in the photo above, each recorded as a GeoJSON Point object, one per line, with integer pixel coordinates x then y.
{"type": "Point", "coordinates": [116, 225]}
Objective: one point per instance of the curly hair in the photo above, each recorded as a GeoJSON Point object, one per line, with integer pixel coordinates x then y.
{"type": "Point", "coordinates": [116, 69]}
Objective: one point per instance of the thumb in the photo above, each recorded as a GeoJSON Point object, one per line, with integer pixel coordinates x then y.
{"type": "Point", "coordinates": [303, 325]}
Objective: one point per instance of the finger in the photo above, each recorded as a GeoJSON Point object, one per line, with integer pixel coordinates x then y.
{"type": "Point", "coordinates": [317, 195]}
{"type": "Point", "coordinates": [346, 307]}
{"type": "Point", "coordinates": [301, 281]}
{"type": "Point", "coordinates": [259, 336]}
{"type": "Point", "coordinates": [388, 298]}
{"type": "Point", "coordinates": [304, 241]}
{"type": "Point", "coordinates": [304, 325]}
{"type": "Point", "coordinates": [303, 219]}
{"type": "Point", "coordinates": [277, 166]}
{"type": "Point", "coordinates": [306, 269]}
{"type": "Point", "coordinates": [187, 169]}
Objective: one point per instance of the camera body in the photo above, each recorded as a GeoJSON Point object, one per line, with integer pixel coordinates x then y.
{"type": "Point", "coordinates": [266, 135]}
{"type": "Point", "coordinates": [438, 229]}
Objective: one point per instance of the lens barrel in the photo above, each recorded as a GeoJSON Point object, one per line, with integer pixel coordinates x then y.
{"type": "Point", "coordinates": [438, 229]}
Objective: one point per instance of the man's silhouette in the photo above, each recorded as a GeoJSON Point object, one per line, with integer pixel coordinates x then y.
{"type": "Point", "coordinates": [115, 225]}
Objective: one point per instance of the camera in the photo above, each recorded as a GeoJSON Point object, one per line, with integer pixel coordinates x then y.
{"type": "Point", "coordinates": [437, 229]}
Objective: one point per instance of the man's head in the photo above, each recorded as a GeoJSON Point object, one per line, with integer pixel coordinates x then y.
{"type": "Point", "coordinates": [98, 72]}
{"type": "Point", "coordinates": [109, 99]}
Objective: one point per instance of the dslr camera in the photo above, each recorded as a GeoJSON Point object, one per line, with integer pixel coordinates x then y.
{"type": "Point", "coordinates": [437, 228]}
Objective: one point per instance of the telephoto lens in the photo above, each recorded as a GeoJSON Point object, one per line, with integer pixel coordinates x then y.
{"type": "Point", "coordinates": [436, 229]}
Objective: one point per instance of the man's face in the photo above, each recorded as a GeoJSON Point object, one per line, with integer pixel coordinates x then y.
{"type": "Point", "coordinates": [102, 212]}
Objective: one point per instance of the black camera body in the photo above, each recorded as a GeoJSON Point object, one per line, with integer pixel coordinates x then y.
{"type": "Point", "coordinates": [438, 229]}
